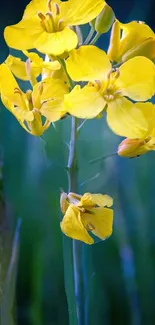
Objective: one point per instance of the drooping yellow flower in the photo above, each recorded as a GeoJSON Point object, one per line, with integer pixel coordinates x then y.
{"type": "Point", "coordinates": [89, 212]}
{"type": "Point", "coordinates": [138, 146]}
{"type": "Point", "coordinates": [45, 99]}
{"type": "Point", "coordinates": [131, 39]}
{"type": "Point", "coordinates": [108, 90]}
{"type": "Point", "coordinates": [46, 25]}
{"type": "Point", "coordinates": [36, 66]}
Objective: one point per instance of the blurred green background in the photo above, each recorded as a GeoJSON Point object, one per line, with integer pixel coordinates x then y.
{"type": "Point", "coordinates": [119, 273]}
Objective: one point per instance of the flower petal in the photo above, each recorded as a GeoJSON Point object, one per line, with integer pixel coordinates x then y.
{"type": "Point", "coordinates": [81, 12]}
{"type": "Point", "coordinates": [125, 119]}
{"type": "Point", "coordinates": [84, 103]}
{"type": "Point", "coordinates": [72, 226]}
{"type": "Point", "coordinates": [34, 7]}
{"type": "Point", "coordinates": [133, 34]}
{"type": "Point", "coordinates": [148, 110]}
{"type": "Point", "coordinates": [88, 63]}
{"type": "Point", "coordinates": [101, 221]}
{"type": "Point", "coordinates": [101, 200]}
{"type": "Point", "coordinates": [20, 113]}
{"type": "Point", "coordinates": [137, 78]}
{"type": "Point", "coordinates": [52, 99]}
{"type": "Point", "coordinates": [23, 35]}
{"type": "Point", "coordinates": [10, 98]}
{"type": "Point", "coordinates": [57, 43]}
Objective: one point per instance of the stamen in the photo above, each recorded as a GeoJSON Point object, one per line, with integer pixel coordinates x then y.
{"type": "Point", "coordinates": [49, 5]}
{"type": "Point", "coordinates": [57, 9]}
{"type": "Point", "coordinates": [29, 99]}
{"type": "Point", "coordinates": [52, 27]}
{"type": "Point", "coordinates": [118, 92]}
{"type": "Point", "coordinates": [98, 82]}
{"type": "Point", "coordinates": [17, 91]}
{"type": "Point", "coordinates": [109, 73]}
{"type": "Point", "coordinates": [41, 88]}
{"type": "Point", "coordinates": [43, 19]}
{"type": "Point", "coordinates": [47, 100]}
{"type": "Point", "coordinates": [60, 24]}
{"type": "Point", "coordinates": [109, 97]}
{"type": "Point", "coordinates": [41, 16]}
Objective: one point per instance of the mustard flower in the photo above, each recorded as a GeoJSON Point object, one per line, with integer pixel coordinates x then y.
{"type": "Point", "coordinates": [86, 213]}
{"type": "Point", "coordinates": [34, 65]}
{"type": "Point", "coordinates": [45, 99]}
{"type": "Point", "coordinates": [108, 89]}
{"type": "Point", "coordinates": [138, 146]}
{"type": "Point", "coordinates": [46, 25]}
{"type": "Point", "coordinates": [131, 39]}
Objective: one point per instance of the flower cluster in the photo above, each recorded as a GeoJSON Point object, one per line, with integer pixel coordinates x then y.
{"type": "Point", "coordinates": [68, 75]}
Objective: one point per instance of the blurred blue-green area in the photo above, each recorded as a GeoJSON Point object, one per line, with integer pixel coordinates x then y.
{"type": "Point", "coordinates": [119, 273]}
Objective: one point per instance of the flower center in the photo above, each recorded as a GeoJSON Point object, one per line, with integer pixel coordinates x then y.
{"type": "Point", "coordinates": [108, 89]}
{"type": "Point", "coordinates": [51, 21]}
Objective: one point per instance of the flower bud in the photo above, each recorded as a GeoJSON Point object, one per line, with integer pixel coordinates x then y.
{"type": "Point", "coordinates": [130, 148]}
{"type": "Point", "coordinates": [146, 48]}
{"type": "Point", "coordinates": [104, 20]}
{"type": "Point", "coordinates": [113, 50]}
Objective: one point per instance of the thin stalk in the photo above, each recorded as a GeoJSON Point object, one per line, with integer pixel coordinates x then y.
{"type": "Point", "coordinates": [102, 158]}
{"type": "Point", "coordinates": [94, 40]}
{"type": "Point", "coordinates": [72, 249]}
{"type": "Point", "coordinates": [89, 36]}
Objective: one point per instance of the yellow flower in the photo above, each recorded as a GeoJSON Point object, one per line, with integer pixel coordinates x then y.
{"type": "Point", "coordinates": [45, 99]}
{"type": "Point", "coordinates": [131, 39]}
{"type": "Point", "coordinates": [108, 89]}
{"type": "Point", "coordinates": [46, 25]}
{"type": "Point", "coordinates": [89, 212]}
{"type": "Point", "coordinates": [138, 146]}
{"type": "Point", "coordinates": [34, 66]}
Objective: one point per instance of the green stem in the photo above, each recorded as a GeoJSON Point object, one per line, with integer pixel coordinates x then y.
{"type": "Point", "coordinates": [73, 248]}
{"type": "Point", "coordinates": [94, 40]}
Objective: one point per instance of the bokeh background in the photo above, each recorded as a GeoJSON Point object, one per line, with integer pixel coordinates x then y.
{"type": "Point", "coordinates": [119, 273]}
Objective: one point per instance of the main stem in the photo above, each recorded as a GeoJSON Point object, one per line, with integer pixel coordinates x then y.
{"type": "Point", "coordinates": [73, 264]}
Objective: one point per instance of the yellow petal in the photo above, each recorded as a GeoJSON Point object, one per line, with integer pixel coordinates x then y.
{"type": "Point", "coordinates": [34, 7]}
{"type": "Point", "coordinates": [88, 63]}
{"type": "Point", "coordinates": [101, 200]}
{"type": "Point", "coordinates": [20, 113]}
{"type": "Point", "coordinates": [100, 220]}
{"type": "Point", "coordinates": [72, 226]}
{"type": "Point", "coordinates": [7, 78]}
{"type": "Point", "coordinates": [34, 57]}
{"type": "Point", "coordinates": [145, 48]}
{"type": "Point", "coordinates": [23, 35]}
{"type": "Point", "coordinates": [81, 12]}
{"type": "Point", "coordinates": [84, 103]}
{"type": "Point", "coordinates": [137, 78]}
{"type": "Point", "coordinates": [57, 43]}
{"type": "Point", "coordinates": [17, 66]}
{"type": "Point", "coordinates": [125, 119]}
{"type": "Point", "coordinates": [133, 33]}
{"type": "Point", "coordinates": [148, 110]}
{"type": "Point", "coordinates": [52, 99]}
